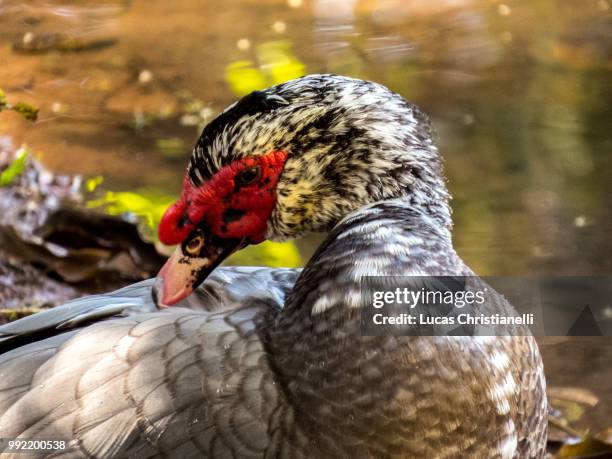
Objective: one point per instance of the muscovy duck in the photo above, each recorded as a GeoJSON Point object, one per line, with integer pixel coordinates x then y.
{"type": "Point", "coordinates": [258, 362]}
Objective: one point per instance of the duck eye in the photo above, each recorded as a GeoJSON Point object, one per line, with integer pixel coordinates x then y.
{"type": "Point", "coordinates": [194, 246]}
{"type": "Point", "coordinates": [248, 176]}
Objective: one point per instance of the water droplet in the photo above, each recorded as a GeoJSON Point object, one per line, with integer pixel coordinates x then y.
{"type": "Point", "coordinates": [468, 119]}
{"type": "Point", "coordinates": [144, 77]}
{"type": "Point", "coordinates": [243, 44]}
{"type": "Point", "coordinates": [279, 27]}
{"type": "Point", "coordinates": [503, 9]}
{"type": "Point", "coordinates": [580, 221]}
{"type": "Point", "coordinates": [28, 38]}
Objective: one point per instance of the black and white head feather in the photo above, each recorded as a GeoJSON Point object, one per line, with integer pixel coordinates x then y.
{"type": "Point", "coordinates": [350, 143]}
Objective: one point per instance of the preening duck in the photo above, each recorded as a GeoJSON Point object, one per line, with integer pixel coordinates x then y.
{"type": "Point", "coordinates": [258, 362]}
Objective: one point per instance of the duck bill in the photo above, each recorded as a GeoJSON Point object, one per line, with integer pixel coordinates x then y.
{"type": "Point", "coordinates": [183, 273]}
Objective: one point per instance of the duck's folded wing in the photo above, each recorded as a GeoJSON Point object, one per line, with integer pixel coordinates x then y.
{"type": "Point", "coordinates": [120, 378]}
{"type": "Point", "coordinates": [226, 288]}
{"type": "Point", "coordinates": [175, 383]}
{"type": "Point", "coordinates": [133, 298]}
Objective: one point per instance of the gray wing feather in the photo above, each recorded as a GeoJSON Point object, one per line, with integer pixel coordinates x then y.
{"type": "Point", "coordinates": [189, 381]}
{"type": "Point", "coordinates": [226, 288]}
{"type": "Point", "coordinates": [135, 297]}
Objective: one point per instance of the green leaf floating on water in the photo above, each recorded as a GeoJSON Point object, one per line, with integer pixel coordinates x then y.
{"type": "Point", "coordinates": [276, 64]}
{"type": "Point", "coordinates": [15, 169]}
{"type": "Point", "coordinates": [243, 78]}
{"type": "Point", "coordinates": [149, 206]}
{"type": "Point", "coordinates": [28, 111]}
{"type": "Point", "coordinates": [275, 254]}
{"type": "Point", "coordinates": [94, 182]}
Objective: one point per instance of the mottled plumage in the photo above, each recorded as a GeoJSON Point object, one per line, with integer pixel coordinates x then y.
{"type": "Point", "coordinates": [351, 142]}
{"type": "Point", "coordinates": [271, 363]}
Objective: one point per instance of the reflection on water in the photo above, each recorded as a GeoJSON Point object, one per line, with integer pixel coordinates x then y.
{"type": "Point", "coordinates": [518, 91]}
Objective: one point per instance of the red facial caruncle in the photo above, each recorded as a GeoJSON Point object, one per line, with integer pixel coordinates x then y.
{"type": "Point", "coordinates": [235, 203]}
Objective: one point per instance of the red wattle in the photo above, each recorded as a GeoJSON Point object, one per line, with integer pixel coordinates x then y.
{"type": "Point", "coordinates": [213, 199]}
{"type": "Point", "coordinates": [174, 227]}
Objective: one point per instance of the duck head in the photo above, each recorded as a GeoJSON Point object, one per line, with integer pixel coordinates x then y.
{"type": "Point", "coordinates": [294, 159]}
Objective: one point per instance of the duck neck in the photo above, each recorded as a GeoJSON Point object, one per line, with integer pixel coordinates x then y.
{"type": "Point", "coordinates": [316, 342]}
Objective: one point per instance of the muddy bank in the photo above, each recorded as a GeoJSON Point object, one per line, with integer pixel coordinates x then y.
{"type": "Point", "coordinates": [52, 248]}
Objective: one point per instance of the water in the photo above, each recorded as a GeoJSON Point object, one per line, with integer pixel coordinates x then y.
{"type": "Point", "coordinates": [519, 93]}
